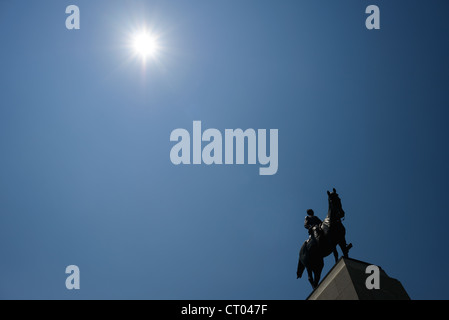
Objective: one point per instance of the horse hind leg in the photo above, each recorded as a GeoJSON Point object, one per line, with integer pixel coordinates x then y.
{"type": "Point", "coordinates": [317, 279]}
{"type": "Point", "coordinates": [318, 274]}
{"type": "Point", "coordinates": [312, 282]}
{"type": "Point", "coordinates": [336, 255]}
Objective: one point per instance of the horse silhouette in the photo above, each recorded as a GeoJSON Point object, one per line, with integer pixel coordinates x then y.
{"type": "Point", "coordinates": [326, 237]}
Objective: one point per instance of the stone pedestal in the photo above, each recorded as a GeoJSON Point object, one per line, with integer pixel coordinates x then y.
{"type": "Point", "coordinates": [346, 281]}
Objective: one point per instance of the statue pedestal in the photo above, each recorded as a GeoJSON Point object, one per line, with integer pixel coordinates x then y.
{"type": "Point", "coordinates": [346, 281]}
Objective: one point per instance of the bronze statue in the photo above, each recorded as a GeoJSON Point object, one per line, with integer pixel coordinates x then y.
{"type": "Point", "coordinates": [323, 241]}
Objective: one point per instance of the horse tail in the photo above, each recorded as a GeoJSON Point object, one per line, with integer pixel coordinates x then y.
{"type": "Point", "coordinates": [300, 269]}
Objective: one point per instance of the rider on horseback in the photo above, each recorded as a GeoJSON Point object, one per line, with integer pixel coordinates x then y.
{"type": "Point", "coordinates": [310, 222]}
{"type": "Point", "coordinates": [324, 237]}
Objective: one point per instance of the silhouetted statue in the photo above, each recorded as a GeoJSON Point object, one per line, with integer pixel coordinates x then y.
{"type": "Point", "coordinates": [324, 239]}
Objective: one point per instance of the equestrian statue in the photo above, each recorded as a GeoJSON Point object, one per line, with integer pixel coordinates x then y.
{"type": "Point", "coordinates": [324, 236]}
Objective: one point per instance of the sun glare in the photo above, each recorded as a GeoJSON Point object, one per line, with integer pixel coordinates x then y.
{"type": "Point", "coordinates": [145, 45]}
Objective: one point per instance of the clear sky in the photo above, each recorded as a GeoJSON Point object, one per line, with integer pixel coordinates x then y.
{"type": "Point", "coordinates": [85, 170]}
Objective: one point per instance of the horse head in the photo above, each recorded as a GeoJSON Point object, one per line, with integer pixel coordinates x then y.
{"type": "Point", "coordinates": [335, 206]}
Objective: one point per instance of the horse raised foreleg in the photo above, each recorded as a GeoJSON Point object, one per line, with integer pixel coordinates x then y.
{"type": "Point", "coordinates": [344, 247]}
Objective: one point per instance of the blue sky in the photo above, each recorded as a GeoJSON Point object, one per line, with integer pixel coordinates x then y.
{"type": "Point", "coordinates": [85, 170]}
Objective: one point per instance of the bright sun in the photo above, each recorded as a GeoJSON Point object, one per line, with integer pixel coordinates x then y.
{"type": "Point", "coordinates": [145, 44]}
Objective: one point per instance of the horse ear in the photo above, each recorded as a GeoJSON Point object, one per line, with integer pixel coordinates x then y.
{"type": "Point", "coordinates": [335, 191]}
{"type": "Point", "coordinates": [328, 193]}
